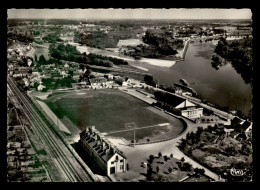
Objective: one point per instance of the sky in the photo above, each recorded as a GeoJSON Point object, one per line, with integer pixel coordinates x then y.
{"type": "Point", "coordinates": [130, 13]}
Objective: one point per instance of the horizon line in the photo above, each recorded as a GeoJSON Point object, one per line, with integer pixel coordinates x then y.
{"type": "Point", "coordinates": [138, 18]}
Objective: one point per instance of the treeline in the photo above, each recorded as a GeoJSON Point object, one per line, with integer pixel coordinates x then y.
{"type": "Point", "coordinates": [64, 52]}
{"type": "Point", "coordinates": [114, 60]}
{"type": "Point", "coordinates": [239, 52]}
{"type": "Point", "coordinates": [159, 44]}
{"type": "Point", "coordinates": [165, 43]}
{"type": "Point", "coordinates": [70, 53]}
{"type": "Point", "coordinates": [97, 39]}
{"type": "Point", "coordinates": [100, 60]}
{"type": "Point", "coordinates": [52, 38]}
{"type": "Point", "coordinates": [43, 61]}
{"type": "Point", "coordinates": [51, 83]}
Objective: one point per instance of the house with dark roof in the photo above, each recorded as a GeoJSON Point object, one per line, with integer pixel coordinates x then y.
{"type": "Point", "coordinates": [241, 126]}
{"type": "Point", "coordinates": [102, 151]}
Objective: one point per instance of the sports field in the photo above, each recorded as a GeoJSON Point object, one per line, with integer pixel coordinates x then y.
{"type": "Point", "coordinates": [108, 110]}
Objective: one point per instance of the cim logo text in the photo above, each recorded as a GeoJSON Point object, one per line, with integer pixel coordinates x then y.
{"type": "Point", "coordinates": [237, 172]}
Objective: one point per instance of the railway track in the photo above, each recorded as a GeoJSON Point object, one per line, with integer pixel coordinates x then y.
{"type": "Point", "coordinates": [64, 159]}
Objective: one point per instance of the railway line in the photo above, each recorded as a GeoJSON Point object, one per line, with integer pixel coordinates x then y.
{"type": "Point", "coordinates": [61, 155]}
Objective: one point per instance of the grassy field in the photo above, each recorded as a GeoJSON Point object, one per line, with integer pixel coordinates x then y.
{"type": "Point", "coordinates": [108, 110]}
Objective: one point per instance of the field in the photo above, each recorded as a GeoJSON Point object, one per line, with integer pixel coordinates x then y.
{"type": "Point", "coordinates": [109, 110]}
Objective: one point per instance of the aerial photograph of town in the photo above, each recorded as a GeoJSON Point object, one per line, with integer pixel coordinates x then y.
{"type": "Point", "coordinates": [129, 95]}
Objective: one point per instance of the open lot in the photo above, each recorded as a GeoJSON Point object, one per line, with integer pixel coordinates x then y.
{"type": "Point", "coordinates": [109, 110]}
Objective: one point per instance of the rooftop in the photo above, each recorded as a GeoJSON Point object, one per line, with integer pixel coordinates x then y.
{"type": "Point", "coordinates": [100, 144]}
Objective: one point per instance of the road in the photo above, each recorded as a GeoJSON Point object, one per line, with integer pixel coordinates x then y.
{"type": "Point", "coordinates": [140, 153]}
{"type": "Point", "coordinates": [65, 160]}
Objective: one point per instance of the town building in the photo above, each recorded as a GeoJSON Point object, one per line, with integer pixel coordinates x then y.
{"type": "Point", "coordinates": [180, 106]}
{"type": "Point", "coordinates": [109, 158]}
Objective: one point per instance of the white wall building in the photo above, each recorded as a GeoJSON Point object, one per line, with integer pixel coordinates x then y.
{"type": "Point", "coordinates": [101, 150]}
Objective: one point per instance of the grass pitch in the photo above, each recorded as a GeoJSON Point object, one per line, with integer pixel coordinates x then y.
{"type": "Point", "coordinates": [106, 109]}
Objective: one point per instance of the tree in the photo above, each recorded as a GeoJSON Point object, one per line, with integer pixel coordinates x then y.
{"type": "Point", "coordinates": [182, 159]}
{"type": "Point", "coordinates": [36, 58]}
{"type": "Point", "coordinates": [210, 128]}
{"type": "Point", "coordinates": [82, 66]}
{"type": "Point", "coordinates": [151, 158]}
{"type": "Point", "coordinates": [186, 166]}
{"type": "Point", "coordinates": [199, 130]}
{"type": "Point", "coordinates": [170, 170]}
{"type": "Point", "coordinates": [159, 154]}
{"type": "Point", "coordinates": [70, 72]}
{"type": "Point", "coordinates": [42, 60]}
{"type": "Point", "coordinates": [87, 72]}
{"type": "Point", "coordinates": [149, 171]}
{"type": "Point", "coordinates": [35, 85]}
{"type": "Point", "coordinates": [165, 158]}
{"type": "Point", "coordinates": [199, 171]}
{"type": "Point", "coordinates": [157, 169]}
{"type": "Point", "coordinates": [83, 58]}
{"type": "Point", "coordinates": [171, 156]}
{"type": "Point", "coordinates": [183, 144]}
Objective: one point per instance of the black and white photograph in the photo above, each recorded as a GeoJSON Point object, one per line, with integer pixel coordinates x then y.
{"type": "Point", "coordinates": [129, 95]}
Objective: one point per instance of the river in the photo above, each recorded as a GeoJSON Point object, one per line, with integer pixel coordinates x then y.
{"type": "Point", "coordinates": [222, 87]}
